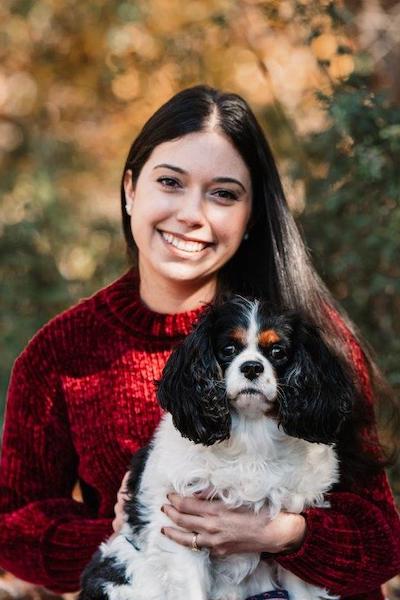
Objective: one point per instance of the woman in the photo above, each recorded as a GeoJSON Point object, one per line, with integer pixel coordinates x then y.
{"type": "Point", "coordinates": [203, 211]}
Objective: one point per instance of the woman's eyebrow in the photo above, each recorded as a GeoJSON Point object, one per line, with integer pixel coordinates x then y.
{"type": "Point", "coordinates": [228, 180]}
{"type": "Point", "coordinates": [177, 169]}
{"type": "Point", "coordinates": [216, 179]}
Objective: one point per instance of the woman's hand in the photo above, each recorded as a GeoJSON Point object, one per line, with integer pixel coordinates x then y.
{"type": "Point", "coordinates": [225, 531]}
{"type": "Point", "coordinates": [122, 495]}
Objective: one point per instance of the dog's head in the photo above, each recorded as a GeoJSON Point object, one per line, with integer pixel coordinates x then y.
{"type": "Point", "coordinates": [242, 358]}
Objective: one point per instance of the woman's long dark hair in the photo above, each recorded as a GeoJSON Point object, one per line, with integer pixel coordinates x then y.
{"type": "Point", "coordinates": [273, 263]}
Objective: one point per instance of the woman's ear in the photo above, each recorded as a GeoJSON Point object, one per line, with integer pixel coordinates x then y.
{"type": "Point", "coordinates": [129, 191]}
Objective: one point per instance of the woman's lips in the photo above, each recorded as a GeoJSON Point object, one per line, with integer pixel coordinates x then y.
{"type": "Point", "coordinates": [188, 246]}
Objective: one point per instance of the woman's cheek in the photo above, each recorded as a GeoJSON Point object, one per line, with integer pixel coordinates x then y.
{"type": "Point", "coordinates": [230, 226]}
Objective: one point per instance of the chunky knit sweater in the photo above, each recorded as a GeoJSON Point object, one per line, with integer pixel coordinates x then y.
{"type": "Point", "coordinates": [82, 400]}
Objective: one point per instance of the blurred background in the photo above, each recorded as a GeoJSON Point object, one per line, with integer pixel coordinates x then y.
{"type": "Point", "coordinates": [79, 79]}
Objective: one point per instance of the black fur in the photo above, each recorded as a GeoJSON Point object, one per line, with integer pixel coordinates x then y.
{"type": "Point", "coordinates": [132, 506]}
{"type": "Point", "coordinates": [318, 393]}
{"type": "Point", "coordinates": [192, 388]}
{"type": "Point", "coordinates": [97, 574]}
{"type": "Point", "coordinates": [102, 570]}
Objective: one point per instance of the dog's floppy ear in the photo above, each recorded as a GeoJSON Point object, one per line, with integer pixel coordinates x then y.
{"type": "Point", "coordinates": [318, 393]}
{"type": "Point", "coordinates": [192, 388]}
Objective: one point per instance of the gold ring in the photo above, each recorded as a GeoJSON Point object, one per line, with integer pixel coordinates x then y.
{"type": "Point", "coordinates": [195, 547]}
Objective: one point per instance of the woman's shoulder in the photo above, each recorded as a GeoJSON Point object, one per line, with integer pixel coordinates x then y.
{"type": "Point", "coordinates": [76, 330]}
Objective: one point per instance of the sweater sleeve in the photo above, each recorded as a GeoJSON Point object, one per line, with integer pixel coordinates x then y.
{"type": "Point", "coordinates": [46, 537]}
{"type": "Point", "coordinates": [353, 547]}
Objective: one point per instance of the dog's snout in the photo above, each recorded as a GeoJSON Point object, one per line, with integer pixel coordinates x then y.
{"type": "Point", "coordinates": [251, 369]}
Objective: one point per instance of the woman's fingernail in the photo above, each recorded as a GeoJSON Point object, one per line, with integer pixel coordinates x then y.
{"type": "Point", "coordinates": [163, 530]}
{"type": "Point", "coordinates": [162, 508]}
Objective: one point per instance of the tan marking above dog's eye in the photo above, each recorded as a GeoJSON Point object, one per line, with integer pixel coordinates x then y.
{"type": "Point", "coordinates": [268, 337]}
{"type": "Point", "coordinates": [239, 335]}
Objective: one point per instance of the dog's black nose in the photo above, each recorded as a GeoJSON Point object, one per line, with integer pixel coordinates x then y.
{"type": "Point", "coordinates": [251, 369]}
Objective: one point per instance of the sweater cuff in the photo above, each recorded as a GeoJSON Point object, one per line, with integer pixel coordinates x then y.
{"type": "Point", "coordinates": [67, 548]}
{"type": "Point", "coordinates": [353, 536]}
{"type": "Point", "coordinates": [291, 553]}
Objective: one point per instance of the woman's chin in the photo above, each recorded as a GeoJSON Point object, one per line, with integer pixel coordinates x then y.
{"type": "Point", "coordinates": [185, 271]}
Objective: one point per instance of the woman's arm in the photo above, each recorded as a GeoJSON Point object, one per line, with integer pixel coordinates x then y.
{"type": "Point", "coordinates": [352, 547]}
{"type": "Point", "coordinates": [46, 537]}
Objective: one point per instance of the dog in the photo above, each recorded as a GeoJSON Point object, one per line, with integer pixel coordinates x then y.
{"type": "Point", "coordinates": [254, 403]}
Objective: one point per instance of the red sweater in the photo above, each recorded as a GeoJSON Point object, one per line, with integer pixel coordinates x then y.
{"type": "Point", "coordinates": [82, 400]}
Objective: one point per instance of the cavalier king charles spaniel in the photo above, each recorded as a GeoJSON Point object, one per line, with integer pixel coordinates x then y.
{"type": "Point", "coordinates": [254, 403]}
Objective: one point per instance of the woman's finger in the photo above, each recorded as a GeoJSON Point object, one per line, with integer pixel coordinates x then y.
{"type": "Point", "coordinates": [122, 493]}
{"type": "Point", "coordinates": [123, 489]}
{"type": "Point", "coordinates": [190, 522]}
{"type": "Point", "coordinates": [195, 506]}
{"type": "Point", "coordinates": [117, 522]}
{"type": "Point", "coordinates": [119, 512]}
{"type": "Point", "coordinates": [204, 494]}
{"type": "Point", "coordinates": [186, 538]}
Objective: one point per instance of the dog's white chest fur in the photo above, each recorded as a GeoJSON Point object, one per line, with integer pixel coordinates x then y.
{"type": "Point", "coordinates": [257, 466]}
{"type": "Point", "coordinates": [258, 461]}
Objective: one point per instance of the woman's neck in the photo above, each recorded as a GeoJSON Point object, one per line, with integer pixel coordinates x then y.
{"type": "Point", "coordinates": [170, 297]}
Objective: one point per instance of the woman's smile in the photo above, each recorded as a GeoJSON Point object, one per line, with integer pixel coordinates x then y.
{"type": "Point", "coordinates": [184, 245]}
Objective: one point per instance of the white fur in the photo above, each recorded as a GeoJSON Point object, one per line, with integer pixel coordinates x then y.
{"type": "Point", "coordinates": [258, 463]}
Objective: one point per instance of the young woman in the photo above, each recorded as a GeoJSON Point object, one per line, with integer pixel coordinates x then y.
{"type": "Point", "coordinates": [203, 211]}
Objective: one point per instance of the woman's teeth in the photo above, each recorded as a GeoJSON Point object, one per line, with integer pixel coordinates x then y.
{"type": "Point", "coordinates": [182, 244]}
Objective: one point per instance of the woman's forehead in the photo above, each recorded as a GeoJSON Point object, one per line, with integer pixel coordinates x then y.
{"type": "Point", "coordinates": [202, 152]}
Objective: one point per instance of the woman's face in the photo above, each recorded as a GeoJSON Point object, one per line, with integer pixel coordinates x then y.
{"type": "Point", "coordinates": [189, 207]}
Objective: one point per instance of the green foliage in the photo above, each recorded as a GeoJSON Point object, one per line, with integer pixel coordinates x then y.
{"type": "Point", "coordinates": [52, 254]}
{"type": "Point", "coordinates": [352, 220]}
{"type": "Point", "coordinates": [31, 283]}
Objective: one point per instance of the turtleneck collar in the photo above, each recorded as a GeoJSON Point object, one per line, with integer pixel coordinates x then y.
{"type": "Point", "coordinates": [120, 305]}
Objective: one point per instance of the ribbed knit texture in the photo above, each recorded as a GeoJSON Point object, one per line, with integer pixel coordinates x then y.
{"type": "Point", "coordinates": [82, 400]}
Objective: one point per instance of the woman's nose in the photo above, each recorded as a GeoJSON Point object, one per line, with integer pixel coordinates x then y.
{"type": "Point", "coordinates": [190, 210]}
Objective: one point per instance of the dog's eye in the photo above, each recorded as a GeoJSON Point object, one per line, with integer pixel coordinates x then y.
{"type": "Point", "coordinates": [227, 351]}
{"type": "Point", "coordinates": [278, 353]}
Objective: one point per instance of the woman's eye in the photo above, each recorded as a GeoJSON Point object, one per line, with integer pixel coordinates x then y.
{"type": "Point", "coordinates": [278, 353]}
{"type": "Point", "coordinates": [226, 194]}
{"type": "Point", "coordinates": [168, 182]}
